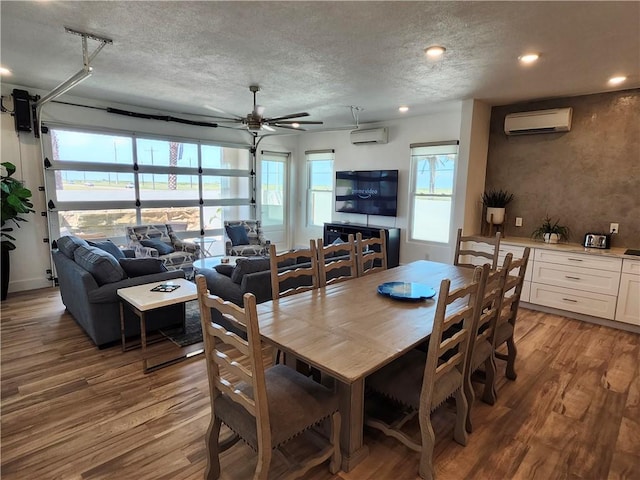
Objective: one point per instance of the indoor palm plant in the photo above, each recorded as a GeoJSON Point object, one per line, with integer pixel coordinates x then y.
{"type": "Point", "coordinates": [551, 231]}
{"type": "Point", "coordinates": [16, 201]}
{"type": "Point", "coordinates": [495, 201]}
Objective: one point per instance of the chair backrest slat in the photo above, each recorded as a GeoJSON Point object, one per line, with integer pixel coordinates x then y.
{"type": "Point", "coordinates": [310, 271]}
{"type": "Point", "coordinates": [223, 348]}
{"type": "Point", "coordinates": [339, 258]}
{"type": "Point", "coordinates": [464, 250]}
{"type": "Point", "coordinates": [455, 344]}
{"type": "Point", "coordinates": [371, 253]}
{"type": "Point", "coordinates": [513, 288]}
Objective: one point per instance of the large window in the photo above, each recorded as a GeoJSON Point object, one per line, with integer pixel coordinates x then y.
{"type": "Point", "coordinates": [320, 194]}
{"type": "Point", "coordinates": [99, 182]}
{"type": "Point", "coordinates": [273, 188]}
{"type": "Point", "coordinates": [432, 178]}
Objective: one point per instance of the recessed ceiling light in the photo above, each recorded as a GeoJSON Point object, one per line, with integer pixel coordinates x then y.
{"type": "Point", "coordinates": [529, 57]}
{"type": "Point", "coordinates": [5, 71]}
{"type": "Point", "coordinates": [403, 109]}
{"type": "Point", "coordinates": [617, 80]}
{"type": "Point", "coordinates": [434, 51]}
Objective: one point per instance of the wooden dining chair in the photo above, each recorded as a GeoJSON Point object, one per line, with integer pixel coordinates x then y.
{"type": "Point", "coordinates": [303, 274]}
{"type": "Point", "coordinates": [506, 325]}
{"type": "Point", "coordinates": [264, 408]}
{"type": "Point", "coordinates": [337, 261]}
{"type": "Point", "coordinates": [420, 382]}
{"type": "Point", "coordinates": [486, 249]}
{"type": "Point", "coordinates": [481, 349]}
{"type": "Point", "coordinates": [371, 253]}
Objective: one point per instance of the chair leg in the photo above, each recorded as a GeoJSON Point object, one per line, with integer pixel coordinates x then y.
{"type": "Point", "coordinates": [212, 471]}
{"type": "Point", "coordinates": [489, 395]}
{"type": "Point", "coordinates": [462, 411]}
{"type": "Point", "coordinates": [428, 439]}
{"type": "Point", "coordinates": [470, 397]}
{"type": "Point", "coordinates": [336, 459]}
{"type": "Point", "coordinates": [264, 461]}
{"type": "Point", "coordinates": [512, 352]}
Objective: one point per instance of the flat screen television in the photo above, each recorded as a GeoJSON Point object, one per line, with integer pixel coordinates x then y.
{"type": "Point", "coordinates": [371, 192]}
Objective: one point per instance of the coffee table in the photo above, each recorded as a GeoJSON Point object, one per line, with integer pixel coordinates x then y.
{"type": "Point", "coordinates": [211, 262]}
{"type": "Point", "coordinates": [140, 300]}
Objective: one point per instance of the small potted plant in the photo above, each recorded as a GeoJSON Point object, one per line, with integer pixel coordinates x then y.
{"type": "Point", "coordinates": [551, 231]}
{"type": "Point", "coordinates": [16, 201]}
{"type": "Point", "coordinates": [496, 201]}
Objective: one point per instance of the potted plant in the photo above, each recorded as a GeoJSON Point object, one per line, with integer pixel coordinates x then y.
{"type": "Point", "coordinates": [15, 203]}
{"type": "Point", "coordinates": [496, 201]}
{"type": "Point", "coordinates": [551, 232]}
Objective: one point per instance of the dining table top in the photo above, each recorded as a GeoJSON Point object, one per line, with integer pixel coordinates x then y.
{"type": "Point", "coordinates": [348, 329]}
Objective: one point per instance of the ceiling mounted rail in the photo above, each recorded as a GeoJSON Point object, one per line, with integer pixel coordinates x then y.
{"type": "Point", "coordinates": [86, 71]}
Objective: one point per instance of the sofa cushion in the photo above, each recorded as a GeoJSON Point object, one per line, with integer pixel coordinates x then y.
{"type": "Point", "coordinates": [237, 234]}
{"type": "Point", "coordinates": [100, 264]}
{"type": "Point", "coordinates": [69, 243]}
{"type": "Point", "coordinates": [159, 245]}
{"type": "Point", "coordinates": [137, 267]}
{"type": "Point", "coordinates": [225, 269]}
{"type": "Point", "coordinates": [248, 265]}
{"type": "Point", "coordinates": [108, 246]}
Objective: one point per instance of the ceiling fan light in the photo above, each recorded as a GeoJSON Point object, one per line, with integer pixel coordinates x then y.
{"type": "Point", "coordinates": [5, 71]}
{"type": "Point", "coordinates": [295, 125]}
{"type": "Point", "coordinates": [403, 109]}
{"type": "Point", "coordinates": [617, 80]}
{"type": "Point", "coordinates": [529, 58]}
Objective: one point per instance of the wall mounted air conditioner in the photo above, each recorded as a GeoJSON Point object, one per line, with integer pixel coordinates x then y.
{"type": "Point", "coordinates": [540, 121]}
{"type": "Point", "coordinates": [374, 135]}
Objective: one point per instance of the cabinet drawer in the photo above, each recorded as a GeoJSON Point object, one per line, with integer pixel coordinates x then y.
{"type": "Point", "coordinates": [579, 260]}
{"type": "Point", "coordinates": [597, 281]}
{"type": "Point", "coordinates": [631, 266]}
{"type": "Point", "coordinates": [588, 303]}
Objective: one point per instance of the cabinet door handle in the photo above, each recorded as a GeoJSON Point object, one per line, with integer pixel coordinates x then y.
{"type": "Point", "coordinates": [575, 259]}
{"type": "Point", "coordinates": [569, 300]}
{"type": "Point", "coordinates": [572, 278]}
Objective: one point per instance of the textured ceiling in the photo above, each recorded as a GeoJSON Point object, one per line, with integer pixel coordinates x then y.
{"type": "Point", "coordinates": [322, 57]}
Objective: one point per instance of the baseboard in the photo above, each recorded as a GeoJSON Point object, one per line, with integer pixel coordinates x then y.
{"type": "Point", "coordinates": [29, 284]}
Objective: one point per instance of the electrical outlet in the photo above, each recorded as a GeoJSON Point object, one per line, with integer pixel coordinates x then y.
{"type": "Point", "coordinates": [614, 228]}
{"type": "Point", "coordinates": [518, 221]}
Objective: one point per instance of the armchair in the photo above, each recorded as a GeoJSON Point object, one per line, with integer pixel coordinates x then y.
{"type": "Point", "coordinates": [160, 241]}
{"type": "Point", "coordinates": [249, 243]}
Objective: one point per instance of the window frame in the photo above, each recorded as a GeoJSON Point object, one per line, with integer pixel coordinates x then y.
{"type": "Point", "coordinates": [449, 147]}
{"type": "Point", "coordinates": [318, 156]}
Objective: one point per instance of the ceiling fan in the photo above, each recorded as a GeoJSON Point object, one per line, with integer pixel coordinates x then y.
{"type": "Point", "coordinates": [256, 122]}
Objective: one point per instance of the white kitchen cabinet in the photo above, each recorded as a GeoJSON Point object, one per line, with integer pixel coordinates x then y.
{"type": "Point", "coordinates": [581, 283]}
{"type": "Point", "coordinates": [628, 307]}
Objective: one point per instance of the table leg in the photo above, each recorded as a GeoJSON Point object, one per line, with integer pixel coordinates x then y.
{"type": "Point", "coordinates": [351, 435]}
{"type": "Point", "coordinates": [124, 344]}
{"type": "Point", "coordinates": [143, 341]}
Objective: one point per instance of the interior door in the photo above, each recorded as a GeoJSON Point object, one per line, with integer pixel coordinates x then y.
{"type": "Point", "coordinates": [273, 174]}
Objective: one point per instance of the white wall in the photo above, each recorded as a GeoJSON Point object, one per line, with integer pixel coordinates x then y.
{"type": "Point", "coordinates": [467, 122]}
{"type": "Point", "coordinates": [31, 258]}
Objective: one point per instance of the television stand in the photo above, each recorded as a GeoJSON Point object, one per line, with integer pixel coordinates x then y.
{"type": "Point", "coordinates": [335, 230]}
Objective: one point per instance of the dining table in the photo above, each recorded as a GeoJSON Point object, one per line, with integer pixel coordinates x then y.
{"type": "Point", "coordinates": [348, 330]}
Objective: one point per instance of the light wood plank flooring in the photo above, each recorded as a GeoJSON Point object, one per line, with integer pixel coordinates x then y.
{"type": "Point", "coordinates": [71, 411]}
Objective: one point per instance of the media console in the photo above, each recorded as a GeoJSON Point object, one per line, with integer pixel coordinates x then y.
{"type": "Point", "coordinates": [332, 231]}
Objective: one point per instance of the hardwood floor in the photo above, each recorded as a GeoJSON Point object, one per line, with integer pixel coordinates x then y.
{"type": "Point", "coordinates": [71, 411]}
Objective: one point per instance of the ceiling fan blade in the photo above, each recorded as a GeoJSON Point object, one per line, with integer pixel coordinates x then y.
{"type": "Point", "coordinates": [285, 117]}
{"type": "Point", "coordinates": [288, 127]}
{"type": "Point", "coordinates": [301, 122]}
{"type": "Point", "coordinates": [269, 128]}
{"type": "Point", "coordinates": [228, 115]}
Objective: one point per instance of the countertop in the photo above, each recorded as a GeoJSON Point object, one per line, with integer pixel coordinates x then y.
{"type": "Point", "coordinates": [616, 252]}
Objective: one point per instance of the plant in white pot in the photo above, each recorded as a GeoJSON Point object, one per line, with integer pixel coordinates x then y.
{"type": "Point", "coordinates": [551, 231]}
{"type": "Point", "coordinates": [496, 202]}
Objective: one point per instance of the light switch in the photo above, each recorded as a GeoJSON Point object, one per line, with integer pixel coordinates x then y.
{"type": "Point", "coordinates": [518, 221]}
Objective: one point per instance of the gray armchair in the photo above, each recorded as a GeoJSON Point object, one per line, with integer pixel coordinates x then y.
{"type": "Point", "coordinates": [244, 238]}
{"type": "Point", "coordinates": [160, 241]}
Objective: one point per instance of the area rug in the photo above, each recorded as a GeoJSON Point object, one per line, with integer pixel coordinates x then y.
{"type": "Point", "coordinates": [193, 330]}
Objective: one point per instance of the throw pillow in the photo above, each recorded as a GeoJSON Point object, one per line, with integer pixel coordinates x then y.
{"type": "Point", "coordinates": [137, 267]}
{"type": "Point", "coordinates": [225, 269]}
{"type": "Point", "coordinates": [69, 243]}
{"type": "Point", "coordinates": [237, 234]}
{"type": "Point", "coordinates": [108, 246]}
{"type": "Point", "coordinates": [159, 245]}
{"type": "Point", "coordinates": [245, 266]}
{"type": "Point", "coordinates": [102, 265]}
